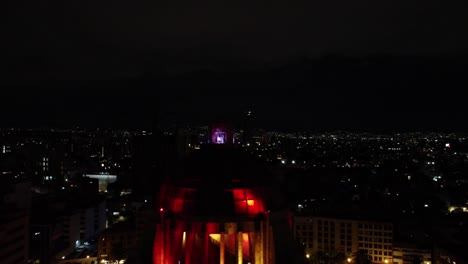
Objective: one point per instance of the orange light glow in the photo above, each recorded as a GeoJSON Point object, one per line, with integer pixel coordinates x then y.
{"type": "Point", "coordinates": [250, 202]}
{"type": "Point", "coordinates": [184, 238]}
{"type": "Point", "coordinates": [245, 244]}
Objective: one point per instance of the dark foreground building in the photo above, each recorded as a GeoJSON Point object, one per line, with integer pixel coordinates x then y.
{"type": "Point", "coordinates": [215, 208]}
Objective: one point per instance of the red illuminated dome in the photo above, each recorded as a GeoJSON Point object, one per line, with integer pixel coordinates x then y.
{"type": "Point", "coordinates": [218, 181]}
{"type": "Point", "coordinates": [215, 209]}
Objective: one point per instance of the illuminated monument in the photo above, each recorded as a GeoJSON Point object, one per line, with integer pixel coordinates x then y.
{"type": "Point", "coordinates": [214, 208]}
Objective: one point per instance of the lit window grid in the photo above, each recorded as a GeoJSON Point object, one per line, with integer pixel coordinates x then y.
{"type": "Point", "coordinates": [347, 236]}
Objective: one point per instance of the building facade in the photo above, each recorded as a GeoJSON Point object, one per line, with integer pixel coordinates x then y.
{"type": "Point", "coordinates": [115, 242]}
{"type": "Point", "coordinates": [14, 238]}
{"type": "Point", "coordinates": [406, 254]}
{"type": "Point", "coordinates": [58, 233]}
{"type": "Point", "coordinates": [346, 236]}
{"type": "Point", "coordinates": [15, 203]}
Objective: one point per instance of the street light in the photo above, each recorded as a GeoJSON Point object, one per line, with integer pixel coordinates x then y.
{"type": "Point", "coordinates": [349, 260]}
{"type": "Point", "coordinates": [308, 256]}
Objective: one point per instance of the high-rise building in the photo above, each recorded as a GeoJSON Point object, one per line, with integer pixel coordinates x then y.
{"type": "Point", "coordinates": [14, 238]}
{"type": "Point", "coordinates": [58, 228]}
{"type": "Point", "coordinates": [115, 242]}
{"type": "Point", "coordinates": [15, 200]}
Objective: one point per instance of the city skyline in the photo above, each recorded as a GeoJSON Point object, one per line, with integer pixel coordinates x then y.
{"type": "Point", "coordinates": [234, 132]}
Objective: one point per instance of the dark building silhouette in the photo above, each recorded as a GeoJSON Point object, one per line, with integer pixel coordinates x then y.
{"type": "Point", "coordinates": [15, 203]}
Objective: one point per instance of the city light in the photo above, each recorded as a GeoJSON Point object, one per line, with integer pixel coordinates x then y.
{"type": "Point", "coordinates": [228, 203]}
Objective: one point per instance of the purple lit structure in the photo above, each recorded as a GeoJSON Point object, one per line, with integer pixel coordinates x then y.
{"type": "Point", "coordinates": [221, 134]}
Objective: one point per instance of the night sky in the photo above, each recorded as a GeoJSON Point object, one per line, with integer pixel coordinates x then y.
{"type": "Point", "coordinates": [189, 61]}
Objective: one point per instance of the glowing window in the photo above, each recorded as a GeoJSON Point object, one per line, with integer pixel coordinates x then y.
{"type": "Point", "coordinates": [250, 202]}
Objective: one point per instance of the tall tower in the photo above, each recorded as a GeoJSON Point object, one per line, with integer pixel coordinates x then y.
{"type": "Point", "coordinates": [247, 127]}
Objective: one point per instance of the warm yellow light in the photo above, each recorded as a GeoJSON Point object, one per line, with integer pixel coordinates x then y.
{"type": "Point", "coordinates": [184, 237]}
{"type": "Point", "coordinates": [386, 261]}
{"type": "Point", "coordinates": [87, 256]}
{"type": "Point", "coordinates": [349, 260]}
{"type": "Point", "coordinates": [250, 202]}
{"type": "Point", "coordinates": [245, 238]}
{"type": "Point", "coordinates": [307, 255]}
{"type": "Point", "coordinates": [216, 237]}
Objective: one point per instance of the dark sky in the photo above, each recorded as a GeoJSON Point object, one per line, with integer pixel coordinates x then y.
{"type": "Point", "coordinates": [92, 39]}
{"type": "Point", "coordinates": [310, 95]}
{"type": "Point", "coordinates": [264, 57]}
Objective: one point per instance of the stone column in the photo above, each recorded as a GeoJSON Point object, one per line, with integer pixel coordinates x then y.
{"type": "Point", "coordinates": [239, 248]}
{"type": "Point", "coordinates": [222, 248]}
{"type": "Point", "coordinates": [162, 242]}
{"type": "Point", "coordinates": [267, 240]}
{"type": "Point", "coordinates": [189, 244]}
{"type": "Point", "coordinates": [206, 247]}
{"type": "Point", "coordinates": [262, 241]}
{"type": "Point", "coordinates": [169, 251]}
{"type": "Point", "coordinates": [257, 247]}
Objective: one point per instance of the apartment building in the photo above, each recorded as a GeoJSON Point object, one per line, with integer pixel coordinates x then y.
{"type": "Point", "coordinates": [348, 236]}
